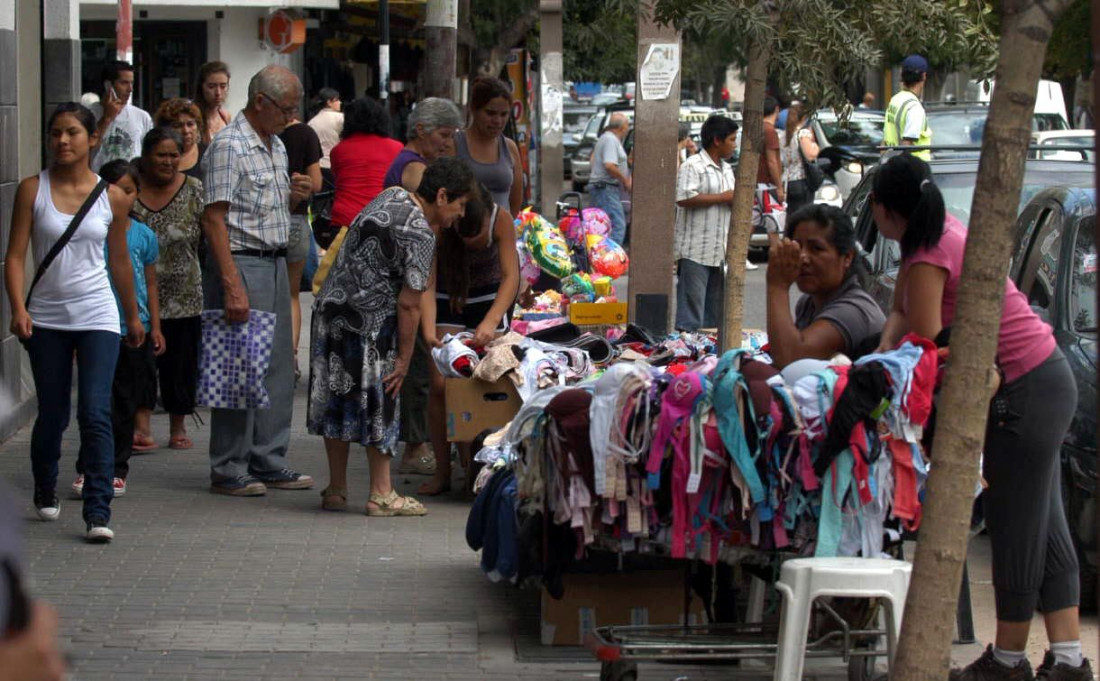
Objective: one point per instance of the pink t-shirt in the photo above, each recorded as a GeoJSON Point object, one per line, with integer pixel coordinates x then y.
{"type": "Point", "coordinates": [1025, 340]}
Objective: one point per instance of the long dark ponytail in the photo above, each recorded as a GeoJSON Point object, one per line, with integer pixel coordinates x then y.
{"type": "Point", "coordinates": [904, 185]}
{"type": "Point", "coordinates": [452, 254]}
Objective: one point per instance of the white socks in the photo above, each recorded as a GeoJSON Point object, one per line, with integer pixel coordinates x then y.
{"type": "Point", "coordinates": [1066, 652]}
{"type": "Point", "coordinates": [1011, 658]}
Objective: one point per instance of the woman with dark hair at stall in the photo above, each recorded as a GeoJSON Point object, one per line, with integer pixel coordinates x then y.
{"type": "Point", "coordinates": [70, 311]}
{"type": "Point", "coordinates": [365, 321]}
{"type": "Point", "coordinates": [493, 157]}
{"type": "Point", "coordinates": [1034, 560]}
{"type": "Point", "coordinates": [834, 315]}
{"type": "Point", "coordinates": [361, 159]}
{"type": "Point", "coordinates": [211, 91]}
{"type": "Point", "coordinates": [476, 284]}
{"type": "Point", "coordinates": [183, 116]}
{"type": "Point", "coordinates": [170, 202]}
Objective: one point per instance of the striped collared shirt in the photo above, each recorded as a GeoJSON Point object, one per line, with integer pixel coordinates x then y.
{"type": "Point", "coordinates": [701, 232]}
{"type": "Point", "coordinates": [239, 169]}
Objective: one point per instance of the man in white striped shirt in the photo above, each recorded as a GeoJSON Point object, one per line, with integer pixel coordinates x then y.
{"type": "Point", "coordinates": [704, 201]}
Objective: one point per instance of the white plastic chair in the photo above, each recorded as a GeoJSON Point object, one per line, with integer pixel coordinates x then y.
{"type": "Point", "coordinates": [803, 580]}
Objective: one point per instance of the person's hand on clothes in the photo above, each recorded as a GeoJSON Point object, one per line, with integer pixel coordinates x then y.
{"type": "Point", "coordinates": [396, 378]}
{"type": "Point", "coordinates": [33, 654]}
{"type": "Point", "coordinates": [301, 187]}
{"type": "Point", "coordinates": [158, 343]}
{"type": "Point", "coordinates": [784, 262]}
{"type": "Point", "coordinates": [236, 303]}
{"type": "Point", "coordinates": [21, 325]}
{"type": "Point", "coordinates": [431, 340]}
{"type": "Point", "coordinates": [485, 333]}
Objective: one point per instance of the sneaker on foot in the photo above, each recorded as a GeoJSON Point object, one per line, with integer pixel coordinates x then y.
{"type": "Point", "coordinates": [286, 479]}
{"type": "Point", "coordinates": [987, 668]}
{"type": "Point", "coordinates": [78, 487]}
{"type": "Point", "coordinates": [119, 485]}
{"type": "Point", "coordinates": [1060, 671]}
{"type": "Point", "coordinates": [240, 486]}
{"type": "Point", "coordinates": [98, 532]}
{"type": "Point", "coordinates": [750, 266]}
{"type": "Point", "coordinates": [47, 505]}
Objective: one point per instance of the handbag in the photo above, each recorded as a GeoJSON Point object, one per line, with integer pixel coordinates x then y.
{"type": "Point", "coordinates": [813, 173]}
{"type": "Point", "coordinates": [234, 360]}
{"type": "Point", "coordinates": [327, 262]}
{"type": "Point", "coordinates": [64, 239]}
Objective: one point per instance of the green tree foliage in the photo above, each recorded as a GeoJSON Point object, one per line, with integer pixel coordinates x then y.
{"type": "Point", "coordinates": [600, 42]}
{"type": "Point", "coordinates": [1070, 48]}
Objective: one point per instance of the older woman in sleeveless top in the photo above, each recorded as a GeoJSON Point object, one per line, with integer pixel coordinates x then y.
{"type": "Point", "coordinates": [493, 158]}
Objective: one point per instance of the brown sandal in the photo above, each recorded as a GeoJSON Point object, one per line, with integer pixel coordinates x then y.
{"type": "Point", "coordinates": [334, 499]}
{"type": "Point", "coordinates": [386, 507]}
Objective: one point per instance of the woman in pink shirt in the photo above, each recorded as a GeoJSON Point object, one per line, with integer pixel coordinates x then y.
{"type": "Point", "coordinates": [1029, 416]}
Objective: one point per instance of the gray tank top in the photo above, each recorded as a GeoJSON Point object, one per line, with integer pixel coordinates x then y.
{"type": "Point", "coordinates": [497, 177]}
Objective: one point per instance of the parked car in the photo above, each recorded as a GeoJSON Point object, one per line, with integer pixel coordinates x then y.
{"type": "Point", "coordinates": [575, 118]}
{"type": "Point", "coordinates": [850, 145]}
{"type": "Point", "coordinates": [1085, 139]}
{"type": "Point", "coordinates": [964, 124]}
{"type": "Point", "coordinates": [1054, 265]}
{"type": "Point", "coordinates": [581, 161]}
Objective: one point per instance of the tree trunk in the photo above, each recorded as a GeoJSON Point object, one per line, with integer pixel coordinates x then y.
{"type": "Point", "coordinates": [718, 81]}
{"type": "Point", "coordinates": [752, 143]}
{"type": "Point", "coordinates": [925, 646]}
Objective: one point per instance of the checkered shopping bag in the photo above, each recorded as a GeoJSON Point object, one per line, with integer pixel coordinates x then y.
{"type": "Point", "coordinates": [234, 360]}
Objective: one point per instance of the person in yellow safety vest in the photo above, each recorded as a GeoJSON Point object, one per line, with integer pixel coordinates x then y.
{"type": "Point", "coordinates": [906, 123]}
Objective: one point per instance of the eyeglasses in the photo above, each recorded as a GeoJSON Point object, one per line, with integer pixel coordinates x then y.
{"type": "Point", "coordinates": [288, 111]}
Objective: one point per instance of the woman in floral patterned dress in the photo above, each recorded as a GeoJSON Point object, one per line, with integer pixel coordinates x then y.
{"type": "Point", "coordinates": [365, 320]}
{"type": "Point", "coordinates": [171, 204]}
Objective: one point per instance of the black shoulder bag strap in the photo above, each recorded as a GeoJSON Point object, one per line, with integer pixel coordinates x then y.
{"type": "Point", "coordinates": [64, 239]}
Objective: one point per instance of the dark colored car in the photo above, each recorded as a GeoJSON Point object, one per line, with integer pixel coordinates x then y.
{"type": "Point", "coordinates": [575, 118]}
{"type": "Point", "coordinates": [850, 146]}
{"type": "Point", "coordinates": [1054, 265]}
{"type": "Point", "coordinates": [1055, 226]}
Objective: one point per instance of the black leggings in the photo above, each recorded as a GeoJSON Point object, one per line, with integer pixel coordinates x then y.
{"type": "Point", "coordinates": [1034, 561]}
{"type": "Point", "coordinates": [178, 367]}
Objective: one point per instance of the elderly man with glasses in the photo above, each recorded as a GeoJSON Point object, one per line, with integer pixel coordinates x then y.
{"type": "Point", "coordinates": [248, 197]}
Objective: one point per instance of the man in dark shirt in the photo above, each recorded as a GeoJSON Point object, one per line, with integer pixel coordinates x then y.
{"type": "Point", "coordinates": [770, 170]}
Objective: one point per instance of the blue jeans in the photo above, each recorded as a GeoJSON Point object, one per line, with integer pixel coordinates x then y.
{"type": "Point", "coordinates": [51, 352]}
{"type": "Point", "coordinates": [698, 296]}
{"type": "Point", "coordinates": [607, 197]}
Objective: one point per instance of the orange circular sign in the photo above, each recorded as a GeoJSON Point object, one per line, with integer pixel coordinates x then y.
{"type": "Point", "coordinates": [283, 32]}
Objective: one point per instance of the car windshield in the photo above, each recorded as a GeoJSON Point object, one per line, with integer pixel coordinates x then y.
{"type": "Point", "coordinates": [859, 131]}
{"type": "Point", "coordinates": [954, 128]}
{"type": "Point", "coordinates": [1084, 141]}
{"type": "Point", "coordinates": [958, 188]}
{"type": "Point", "coordinates": [574, 121]}
{"type": "Point", "coordinates": [1083, 282]}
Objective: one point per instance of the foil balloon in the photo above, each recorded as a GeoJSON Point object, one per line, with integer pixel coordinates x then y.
{"type": "Point", "coordinates": [607, 257]}
{"type": "Point", "coordinates": [528, 268]}
{"type": "Point", "coordinates": [577, 287]}
{"type": "Point", "coordinates": [595, 221]}
{"type": "Point", "coordinates": [546, 244]}
{"type": "Point", "coordinates": [572, 228]}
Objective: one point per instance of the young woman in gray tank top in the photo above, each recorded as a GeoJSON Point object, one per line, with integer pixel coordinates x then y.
{"type": "Point", "coordinates": [493, 158]}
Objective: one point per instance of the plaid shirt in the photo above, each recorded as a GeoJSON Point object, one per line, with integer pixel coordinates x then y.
{"type": "Point", "coordinates": [239, 169]}
{"type": "Point", "coordinates": [701, 232]}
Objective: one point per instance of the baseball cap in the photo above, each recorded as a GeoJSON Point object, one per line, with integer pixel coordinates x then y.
{"type": "Point", "coordinates": [915, 62]}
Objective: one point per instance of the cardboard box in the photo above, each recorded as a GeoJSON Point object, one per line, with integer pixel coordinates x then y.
{"type": "Point", "coordinates": [598, 313]}
{"type": "Point", "coordinates": [473, 406]}
{"type": "Point", "coordinates": [628, 598]}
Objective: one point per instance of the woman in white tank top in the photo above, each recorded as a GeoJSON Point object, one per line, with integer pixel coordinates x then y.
{"type": "Point", "coordinates": [72, 312]}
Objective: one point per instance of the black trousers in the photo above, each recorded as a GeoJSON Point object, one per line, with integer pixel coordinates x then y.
{"type": "Point", "coordinates": [178, 367]}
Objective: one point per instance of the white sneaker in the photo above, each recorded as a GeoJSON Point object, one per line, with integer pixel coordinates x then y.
{"type": "Point", "coordinates": [119, 487]}
{"type": "Point", "coordinates": [47, 506]}
{"type": "Point", "coordinates": [750, 266]}
{"type": "Point", "coordinates": [78, 487]}
{"type": "Point", "coordinates": [99, 533]}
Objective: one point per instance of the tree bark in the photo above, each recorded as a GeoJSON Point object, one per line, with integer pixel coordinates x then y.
{"type": "Point", "coordinates": [752, 143]}
{"type": "Point", "coordinates": [925, 645]}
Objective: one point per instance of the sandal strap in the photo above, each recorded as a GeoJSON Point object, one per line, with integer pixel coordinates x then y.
{"type": "Point", "coordinates": [334, 492]}
{"type": "Point", "coordinates": [384, 501]}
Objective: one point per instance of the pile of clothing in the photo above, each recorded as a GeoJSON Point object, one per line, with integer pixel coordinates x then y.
{"type": "Point", "coordinates": [708, 456]}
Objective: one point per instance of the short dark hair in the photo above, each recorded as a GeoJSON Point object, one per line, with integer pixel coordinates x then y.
{"type": "Point", "coordinates": [321, 100]}
{"type": "Point", "coordinates": [77, 110]}
{"type": "Point", "coordinates": [115, 170]}
{"type": "Point", "coordinates": [904, 185]}
{"type": "Point", "coordinates": [158, 135]}
{"type": "Point", "coordinates": [112, 69]}
{"type": "Point", "coordinates": [717, 128]}
{"type": "Point", "coordinates": [911, 76]}
{"type": "Point", "coordinates": [448, 173]}
{"type": "Point", "coordinates": [771, 104]}
{"type": "Point", "coordinates": [366, 116]}
{"type": "Point", "coordinates": [842, 233]}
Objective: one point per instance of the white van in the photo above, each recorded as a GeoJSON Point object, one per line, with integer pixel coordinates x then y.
{"type": "Point", "coordinates": [1050, 105]}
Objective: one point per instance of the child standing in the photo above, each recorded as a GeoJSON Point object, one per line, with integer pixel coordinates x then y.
{"type": "Point", "coordinates": [135, 382]}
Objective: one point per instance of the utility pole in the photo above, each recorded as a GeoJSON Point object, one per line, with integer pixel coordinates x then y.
{"type": "Point", "coordinates": [656, 122]}
{"type": "Point", "coordinates": [384, 49]}
{"type": "Point", "coordinates": [552, 85]}
{"type": "Point", "coordinates": [124, 32]}
{"type": "Point", "coordinates": [441, 29]}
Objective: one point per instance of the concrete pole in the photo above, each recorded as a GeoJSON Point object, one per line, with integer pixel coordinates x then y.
{"type": "Point", "coordinates": [656, 122]}
{"type": "Point", "coordinates": [552, 169]}
{"type": "Point", "coordinates": [124, 32]}
{"type": "Point", "coordinates": [384, 50]}
{"type": "Point", "coordinates": [441, 29]}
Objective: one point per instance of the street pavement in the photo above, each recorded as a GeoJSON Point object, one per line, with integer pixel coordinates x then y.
{"type": "Point", "coordinates": [198, 586]}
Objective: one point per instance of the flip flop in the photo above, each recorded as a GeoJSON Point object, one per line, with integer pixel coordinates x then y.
{"type": "Point", "coordinates": [180, 442]}
{"type": "Point", "coordinates": [144, 444]}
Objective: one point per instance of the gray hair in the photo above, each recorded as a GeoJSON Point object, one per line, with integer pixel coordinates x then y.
{"type": "Point", "coordinates": [432, 113]}
{"type": "Point", "coordinates": [617, 121]}
{"type": "Point", "coordinates": [277, 82]}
